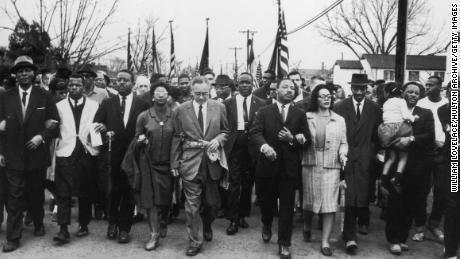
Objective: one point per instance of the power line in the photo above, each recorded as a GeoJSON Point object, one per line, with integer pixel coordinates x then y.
{"type": "Point", "coordinates": [310, 21]}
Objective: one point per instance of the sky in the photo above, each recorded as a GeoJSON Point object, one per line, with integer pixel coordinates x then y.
{"type": "Point", "coordinates": [227, 18]}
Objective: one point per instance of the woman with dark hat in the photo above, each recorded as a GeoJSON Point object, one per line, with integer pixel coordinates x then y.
{"type": "Point", "coordinates": [154, 133]}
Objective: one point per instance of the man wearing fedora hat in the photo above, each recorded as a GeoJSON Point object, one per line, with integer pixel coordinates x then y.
{"type": "Point", "coordinates": [362, 117]}
{"type": "Point", "coordinates": [91, 92]}
{"type": "Point", "coordinates": [224, 88]}
{"type": "Point", "coordinates": [24, 149]}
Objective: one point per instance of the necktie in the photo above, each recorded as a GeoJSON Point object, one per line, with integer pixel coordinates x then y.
{"type": "Point", "coordinates": [200, 117]}
{"type": "Point", "coordinates": [24, 98]}
{"type": "Point", "coordinates": [283, 113]}
{"type": "Point", "coordinates": [123, 105]}
{"type": "Point", "coordinates": [358, 111]}
{"type": "Point", "coordinates": [245, 110]}
{"type": "Point", "coordinates": [76, 103]}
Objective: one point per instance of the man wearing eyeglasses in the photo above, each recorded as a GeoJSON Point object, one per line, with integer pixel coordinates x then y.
{"type": "Point", "coordinates": [90, 91]}
{"type": "Point", "coordinates": [263, 92]}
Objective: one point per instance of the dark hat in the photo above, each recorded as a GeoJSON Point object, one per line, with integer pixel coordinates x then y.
{"type": "Point", "coordinates": [22, 62]}
{"type": "Point", "coordinates": [359, 80]}
{"type": "Point", "coordinates": [87, 68]}
{"type": "Point", "coordinates": [63, 72]}
{"type": "Point", "coordinates": [208, 71]}
{"type": "Point", "coordinates": [57, 84]}
{"type": "Point", "coordinates": [45, 70]}
{"type": "Point", "coordinates": [223, 80]}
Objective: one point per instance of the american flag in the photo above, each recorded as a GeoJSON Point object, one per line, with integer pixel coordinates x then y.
{"type": "Point", "coordinates": [172, 71]}
{"type": "Point", "coordinates": [280, 58]}
{"type": "Point", "coordinates": [129, 60]}
{"type": "Point", "coordinates": [155, 64]}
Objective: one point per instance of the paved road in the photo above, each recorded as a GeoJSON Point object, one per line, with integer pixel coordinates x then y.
{"type": "Point", "coordinates": [247, 243]}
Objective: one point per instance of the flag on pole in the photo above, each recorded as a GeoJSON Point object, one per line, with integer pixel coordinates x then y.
{"type": "Point", "coordinates": [155, 64]}
{"type": "Point", "coordinates": [172, 70]}
{"type": "Point", "coordinates": [205, 55]}
{"type": "Point", "coordinates": [279, 62]}
{"type": "Point", "coordinates": [259, 73]}
{"type": "Point", "coordinates": [129, 60]}
{"type": "Point", "coordinates": [251, 54]}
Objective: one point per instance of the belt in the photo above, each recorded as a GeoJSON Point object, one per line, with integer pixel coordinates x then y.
{"type": "Point", "coordinates": [193, 145]}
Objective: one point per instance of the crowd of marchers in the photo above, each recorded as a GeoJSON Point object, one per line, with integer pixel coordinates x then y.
{"type": "Point", "coordinates": [144, 146]}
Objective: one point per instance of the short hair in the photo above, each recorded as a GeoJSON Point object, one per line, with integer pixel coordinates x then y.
{"type": "Point", "coordinates": [246, 73]}
{"type": "Point", "coordinates": [317, 77]}
{"type": "Point", "coordinates": [314, 97]}
{"type": "Point", "coordinates": [75, 75]}
{"type": "Point", "coordinates": [183, 76]}
{"type": "Point", "coordinates": [437, 78]}
{"type": "Point", "coordinates": [154, 78]}
{"type": "Point", "coordinates": [160, 84]}
{"type": "Point", "coordinates": [293, 73]}
{"type": "Point", "coordinates": [282, 80]}
{"type": "Point", "coordinates": [199, 80]}
{"type": "Point", "coordinates": [422, 89]}
{"type": "Point", "coordinates": [128, 72]}
{"type": "Point", "coordinates": [208, 71]}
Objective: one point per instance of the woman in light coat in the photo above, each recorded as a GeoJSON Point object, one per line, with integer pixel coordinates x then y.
{"type": "Point", "coordinates": [321, 164]}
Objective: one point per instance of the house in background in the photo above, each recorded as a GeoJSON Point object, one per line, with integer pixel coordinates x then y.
{"type": "Point", "coordinates": [418, 68]}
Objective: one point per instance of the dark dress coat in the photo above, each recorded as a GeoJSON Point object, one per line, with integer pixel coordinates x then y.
{"type": "Point", "coordinates": [361, 138]}
{"type": "Point", "coordinates": [19, 130]}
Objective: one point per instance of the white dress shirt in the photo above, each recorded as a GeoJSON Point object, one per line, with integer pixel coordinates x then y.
{"type": "Point", "coordinates": [72, 101]}
{"type": "Point", "coordinates": [128, 104]}
{"type": "Point", "coordinates": [286, 109]}
{"type": "Point", "coordinates": [440, 138]}
{"type": "Point", "coordinates": [204, 111]}
{"type": "Point", "coordinates": [240, 110]}
{"type": "Point", "coordinates": [361, 105]}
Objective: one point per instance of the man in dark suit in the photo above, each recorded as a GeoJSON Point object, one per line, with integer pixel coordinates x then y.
{"type": "Point", "coordinates": [119, 114]}
{"type": "Point", "coordinates": [241, 111]}
{"type": "Point", "coordinates": [24, 149]}
{"type": "Point", "coordinates": [362, 118]}
{"type": "Point", "coordinates": [279, 132]}
{"type": "Point", "coordinates": [197, 155]}
{"type": "Point", "coordinates": [263, 92]}
{"type": "Point", "coordinates": [410, 204]}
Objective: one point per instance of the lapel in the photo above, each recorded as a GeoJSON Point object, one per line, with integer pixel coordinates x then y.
{"type": "Point", "coordinates": [234, 110]}
{"type": "Point", "coordinates": [364, 114]}
{"type": "Point", "coordinates": [351, 113]}
{"type": "Point", "coordinates": [116, 104]}
{"type": "Point", "coordinates": [194, 118]}
{"type": "Point", "coordinates": [209, 115]}
{"type": "Point", "coordinates": [132, 110]}
{"type": "Point", "coordinates": [311, 120]}
{"type": "Point", "coordinates": [84, 114]}
{"type": "Point", "coordinates": [33, 100]}
{"type": "Point", "coordinates": [289, 114]}
{"type": "Point", "coordinates": [277, 112]}
{"type": "Point", "coordinates": [17, 103]}
{"type": "Point", "coordinates": [253, 108]}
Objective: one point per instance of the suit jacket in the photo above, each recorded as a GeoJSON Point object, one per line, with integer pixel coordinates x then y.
{"type": "Point", "coordinates": [186, 128]}
{"type": "Point", "coordinates": [232, 118]}
{"type": "Point", "coordinates": [336, 142]}
{"type": "Point", "coordinates": [424, 136]}
{"type": "Point", "coordinates": [261, 93]}
{"type": "Point", "coordinates": [303, 104]}
{"type": "Point", "coordinates": [19, 130]}
{"type": "Point", "coordinates": [65, 144]}
{"type": "Point", "coordinates": [265, 130]}
{"type": "Point", "coordinates": [362, 139]}
{"type": "Point", "coordinates": [109, 113]}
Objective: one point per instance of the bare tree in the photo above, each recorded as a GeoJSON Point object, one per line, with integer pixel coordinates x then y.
{"type": "Point", "coordinates": [74, 27]}
{"type": "Point", "coordinates": [369, 26]}
{"type": "Point", "coordinates": [116, 64]}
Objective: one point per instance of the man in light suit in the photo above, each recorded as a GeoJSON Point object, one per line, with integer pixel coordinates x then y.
{"type": "Point", "coordinates": [24, 149]}
{"type": "Point", "coordinates": [241, 111]}
{"type": "Point", "coordinates": [76, 160]}
{"type": "Point", "coordinates": [200, 132]}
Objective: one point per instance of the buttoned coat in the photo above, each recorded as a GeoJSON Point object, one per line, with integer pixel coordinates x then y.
{"type": "Point", "coordinates": [336, 141]}
{"type": "Point", "coordinates": [187, 128]}
{"type": "Point", "coordinates": [362, 139]}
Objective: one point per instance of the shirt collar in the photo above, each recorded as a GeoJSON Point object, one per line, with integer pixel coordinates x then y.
{"type": "Point", "coordinates": [129, 96]}
{"type": "Point", "coordinates": [79, 101]}
{"type": "Point", "coordinates": [286, 106]}
{"type": "Point", "coordinates": [197, 105]}
{"type": "Point", "coordinates": [356, 102]}
{"type": "Point", "coordinates": [239, 96]}
{"type": "Point", "coordinates": [27, 91]}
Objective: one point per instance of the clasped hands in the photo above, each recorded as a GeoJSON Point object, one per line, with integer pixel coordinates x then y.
{"type": "Point", "coordinates": [211, 146]}
{"type": "Point", "coordinates": [284, 135]}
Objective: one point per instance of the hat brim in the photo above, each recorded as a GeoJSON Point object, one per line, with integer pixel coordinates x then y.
{"type": "Point", "coordinates": [20, 65]}
{"type": "Point", "coordinates": [93, 74]}
{"type": "Point", "coordinates": [359, 84]}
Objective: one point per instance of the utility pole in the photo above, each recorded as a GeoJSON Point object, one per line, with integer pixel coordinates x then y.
{"type": "Point", "coordinates": [247, 32]}
{"type": "Point", "coordinates": [401, 36]}
{"type": "Point", "coordinates": [236, 61]}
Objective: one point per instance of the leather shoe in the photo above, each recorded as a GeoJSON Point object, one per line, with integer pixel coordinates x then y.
{"type": "Point", "coordinates": [243, 223]}
{"type": "Point", "coordinates": [123, 237]}
{"type": "Point", "coordinates": [266, 233]}
{"type": "Point", "coordinates": [112, 232]}
{"type": "Point", "coordinates": [153, 242]}
{"type": "Point", "coordinates": [40, 231]}
{"type": "Point", "coordinates": [351, 247]}
{"type": "Point", "coordinates": [192, 250]}
{"type": "Point", "coordinates": [363, 230]}
{"type": "Point", "coordinates": [326, 251]}
{"type": "Point", "coordinates": [62, 237]}
{"type": "Point", "coordinates": [307, 236]}
{"type": "Point", "coordinates": [232, 228]}
{"type": "Point", "coordinates": [82, 231]}
{"type": "Point", "coordinates": [163, 229]}
{"type": "Point", "coordinates": [10, 246]}
{"type": "Point", "coordinates": [284, 252]}
{"type": "Point", "coordinates": [207, 234]}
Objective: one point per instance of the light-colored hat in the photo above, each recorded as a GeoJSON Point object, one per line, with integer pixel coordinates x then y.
{"type": "Point", "coordinates": [21, 62]}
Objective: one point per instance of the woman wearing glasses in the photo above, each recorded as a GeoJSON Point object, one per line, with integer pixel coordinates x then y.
{"type": "Point", "coordinates": [321, 164]}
